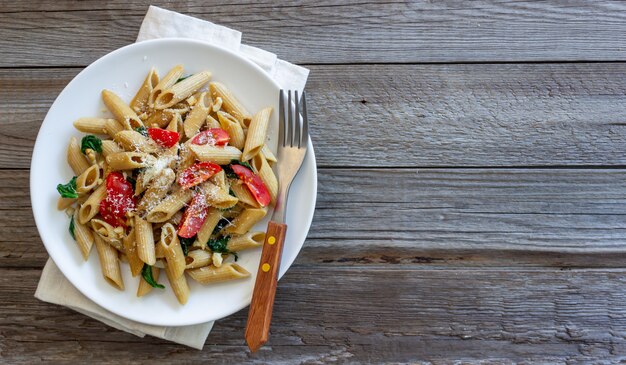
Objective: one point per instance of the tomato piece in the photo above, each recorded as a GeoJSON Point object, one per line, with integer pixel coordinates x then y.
{"type": "Point", "coordinates": [197, 173]}
{"type": "Point", "coordinates": [194, 217]}
{"type": "Point", "coordinates": [119, 200]}
{"type": "Point", "coordinates": [163, 137]}
{"type": "Point", "coordinates": [213, 136]}
{"type": "Point", "coordinates": [254, 184]}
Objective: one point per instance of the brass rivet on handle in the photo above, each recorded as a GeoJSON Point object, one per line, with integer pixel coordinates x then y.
{"type": "Point", "coordinates": [265, 267]}
{"type": "Point", "coordinates": [271, 240]}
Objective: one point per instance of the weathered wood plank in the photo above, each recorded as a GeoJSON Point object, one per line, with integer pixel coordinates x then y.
{"type": "Point", "coordinates": [434, 216]}
{"type": "Point", "coordinates": [413, 115]}
{"type": "Point", "coordinates": [361, 315]}
{"type": "Point", "coordinates": [331, 31]}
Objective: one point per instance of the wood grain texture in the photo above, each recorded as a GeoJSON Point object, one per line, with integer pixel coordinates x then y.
{"type": "Point", "coordinates": [396, 316]}
{"type": "Point", "coordinates": [331, 31]}
{"type": "Point", "coordinates": [478, 217]}
{"type": "Point", "coordinates": [413, 115]}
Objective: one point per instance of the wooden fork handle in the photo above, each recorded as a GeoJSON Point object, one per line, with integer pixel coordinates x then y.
{"type": "Point", "coordinates": [260, 314]}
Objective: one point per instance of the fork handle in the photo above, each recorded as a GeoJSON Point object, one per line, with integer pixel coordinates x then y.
{"type": "Point", "coordinates": [260, 314]}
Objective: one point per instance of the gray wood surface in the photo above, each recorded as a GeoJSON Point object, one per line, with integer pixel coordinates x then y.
{"type": "Point", "coordinates": [472, 187]}
{"type": "Point", "coordinates": [77, 33]}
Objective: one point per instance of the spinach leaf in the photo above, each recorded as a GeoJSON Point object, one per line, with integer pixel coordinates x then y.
{"type": "Point", "coordinates": [146, 274]}
{"type": "Point", "coordinates": [185, 243]}
{"type": "Point", "coordinates": [72, 227]}
{"type": "Point", "coordinates": [182, 78]}
{"type": "Point", "coordinates": [220, 245]}
{"type": "Point", "coordinates": [231, 192]}
{"type": "Point", "coordinates": [220, 225]}
{"type": "Point", "coordinates": [92, 142]}
{"type": "Point", "coordinates": [229, 171]}
{"type": "Point", "coordinates": [142, 130]}
{"type": "Point", "coordinates": [68, 190]}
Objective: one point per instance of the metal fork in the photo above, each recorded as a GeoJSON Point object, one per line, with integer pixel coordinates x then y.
{"type": "Point", "coordinates": [293, 138]}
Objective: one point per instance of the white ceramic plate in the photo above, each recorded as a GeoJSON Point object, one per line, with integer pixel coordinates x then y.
{"type": "Point", "coordinates": [123, 71]}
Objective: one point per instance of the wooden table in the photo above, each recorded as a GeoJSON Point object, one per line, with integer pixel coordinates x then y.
{"type": "Point", "coordinates": [472, 181]}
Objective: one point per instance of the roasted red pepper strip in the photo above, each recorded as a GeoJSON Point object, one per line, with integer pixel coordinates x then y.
{"type": "Point", "coordinates": [213, 136]}
{"type": "Point", "coordinates": [119, 200]}
{"type": "Point", "coordinates": [197, 173]}
{"type": "Point", "coordinates": [163, 137]}
{"type": "Point", "coordinates": [254, 184]}
{"type": "Point", "coordinates": [194, 217]}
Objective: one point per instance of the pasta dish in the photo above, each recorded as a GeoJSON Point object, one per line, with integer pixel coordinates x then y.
{"type": "Point", "coordinates": [175, 181]}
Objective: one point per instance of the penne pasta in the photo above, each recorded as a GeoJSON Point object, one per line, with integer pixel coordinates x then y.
{"type": "Point", "coordinates": [197, 117]}
{"type": "Point", "coordinates": [166, 82]}
{"type": "Point", "coordinates": [64, 203]}
{"type": "Point", "coordinates": [129, 160]}
{"type": "Point", "coordinates": [212, 122]}
{"type": "Point", "coordinates": [246, 220]}
{"type": "Point", "coordinates": [257, 134]}
{"type": "Point", "coordinates": [169, 206]}
{"type": "Point", "coordinates": [157, 190]}
{"type": "Point", "coordinates": [109, 147]}
{"type": "Point", "coordinates": [84, 237]}
{"type": "Point", "coordinates": [145, 288]}
{"type": "Point", "coordinates": [213, 217]}
{"type": "Point", "coordinates": [140, 102]}
{"type": "Point", "coordinates": [178, 284]}
{"type": "Point", "coordinates": [243, 194]}
{"type": "Point", "coordinates": [229, 103]}
{"type": "Point", "coordinates": [233, 128]}
{"type": "Point", "coordinates": [91, 206]}
{"type": "Point", "coordinates": [216, 154]}
{"type": "Point", "coordinates": [133, 141]}
{"type": "Point", "coordinates": [144, 239]}
{"type": "Point", "coordinates": [172, 250]}
{"type": "Point", "coordinates": [216, 197]}
{"type": "Point", "coordinates": [130, 249]}
{"type": "Point", "coordinates": [75, 157]}
{"type": "Point", "coordinates": [212, 274]}
{"type": "Point", "coordinates": [265, 172]}
{"type": "Point", "coordinates": [268, 154]}
{"type": "Point", "coordinates": [159, 119]}
{"type": "Point", "coordinates": [109, 263]}
{"type": "Point", "coordinates": [113, 127]}
{"type": "Point", "coordinates": [108, 233]}
{"type": "Point", "coordinates": [197, 258]}
{"type": "Point", "coordinates": [181, 90]}
{"type": "Point", "coordinates": [121, 111]}
{"type": "Point", "coordinates": [246, 241]}
{"type": "Point", "coordinates": [92, 125]}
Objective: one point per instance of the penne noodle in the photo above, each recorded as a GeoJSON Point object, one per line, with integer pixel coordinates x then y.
{"type": "Point", "coordinates": [133, 141]}
{"type": "Point", "coordinates": [213, 217]}
{"type": "Point", "coordinates": [159, 119]}
{"type": "Point", "coordinates": [109, 147]}
{"type": "Point", "coordinates": [265, 172]}
{"type": "Point", "coordinates": [169, 206]}
{"type": "Point", "coordinates": [219, 179]}
{"type": "Point", "coordinates": [75, 157]}
{"type": "Point", "coordinates": [243, 194]}
{"type": "Point", "coordinates": [84, 237]}
{"type": "Point", "coordinates": [91, 206]}
{"type": "Point", "coordinates": [108, 233]}
{"type": "Point", "coordinates": [140, 102]}
{"type": "Point", "coordinates": [144, 239]}
{"type": "Point", "coordinates": [246, 220]}
{"type": "Point", "coordinates": [212, 274]}
{"type": "Point", "coordinates": [212, 122]}
{"type": "Point", "coordinates": [109, 263]}
{"type": "Point", "coordinates": [166, 82]}
{"type": "Point", "coordinates": [129, 160]}
{"type": "Point", "coordinates": [130, 248]}
{"type": "Point", "coordinates": [257, 134]}
{"type": "Point", "coordinates": [172, 250]}
{"type": "Point", "coordinates": [64, 203]}
{"type": "Point", "coordinates": [157, 190]}
{"type": "Point", "coordinates": [121, 111]}
{"type": "Point", "coordinates": [92, 125]}
{"type": "Point", "coordinates": [197, 117]}
{"type": "Point", "coordinates": [229, 103]}
{"type": "Point", "coordinates": [216, 197]}
{"type": "Point", "coordinates": [113, 127]}
{"type": "Point", "coordinates": [233, 128]}
{"type": "Point", "coordinates": [144, 288]}
{"type": "Point", "coordinates": [216, 154]}
{"type": "Point", "coordinates": [246, 241]}
{"type": "Point", "coordinates": [175, 123]}
{"type": "Point", "coordinates": [89, 179]}
{"type": "Point", "coordinates": [268, 154]}
{"type": "Point", "coordinates": [197, 258]}
{"type": "Point", "coordinates": [178, 284]}
{"type": "Point", "coordinates": [216, 105]}
{"type": "Point", "coordinates": [181, 90]}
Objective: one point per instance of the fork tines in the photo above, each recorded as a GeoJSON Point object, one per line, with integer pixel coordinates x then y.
{"type": "Point", "coordinates": [293, 128]}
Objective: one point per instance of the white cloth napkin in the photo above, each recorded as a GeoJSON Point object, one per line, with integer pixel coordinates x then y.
{"type": "Point", "coordinates": [160, 23]}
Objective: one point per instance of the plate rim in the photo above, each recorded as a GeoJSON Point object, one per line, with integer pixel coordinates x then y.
{"type": "Point", "coordinates": [285, 264]}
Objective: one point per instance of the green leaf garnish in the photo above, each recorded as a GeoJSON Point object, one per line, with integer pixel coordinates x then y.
{"type": "Point", "coordinates": [92, 142]}
{"type": "Point", "coordinates": [220, 245]}
{"type": "Point", "coordinates": [146, 274]}
{"type": "Point", "coordinates": [142, 130]}
{"type": "Point", "coordinates": [68, 190]}
{"type": "Point", "coordinates": [220, 225]}
{"type": "Point", "coordinates": [185, 243]}
{"type": "Point", "coordinates": [72, 227]}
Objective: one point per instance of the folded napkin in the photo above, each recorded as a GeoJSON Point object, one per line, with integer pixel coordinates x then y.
{"type": "Point", "coordinates": [160, 23]}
